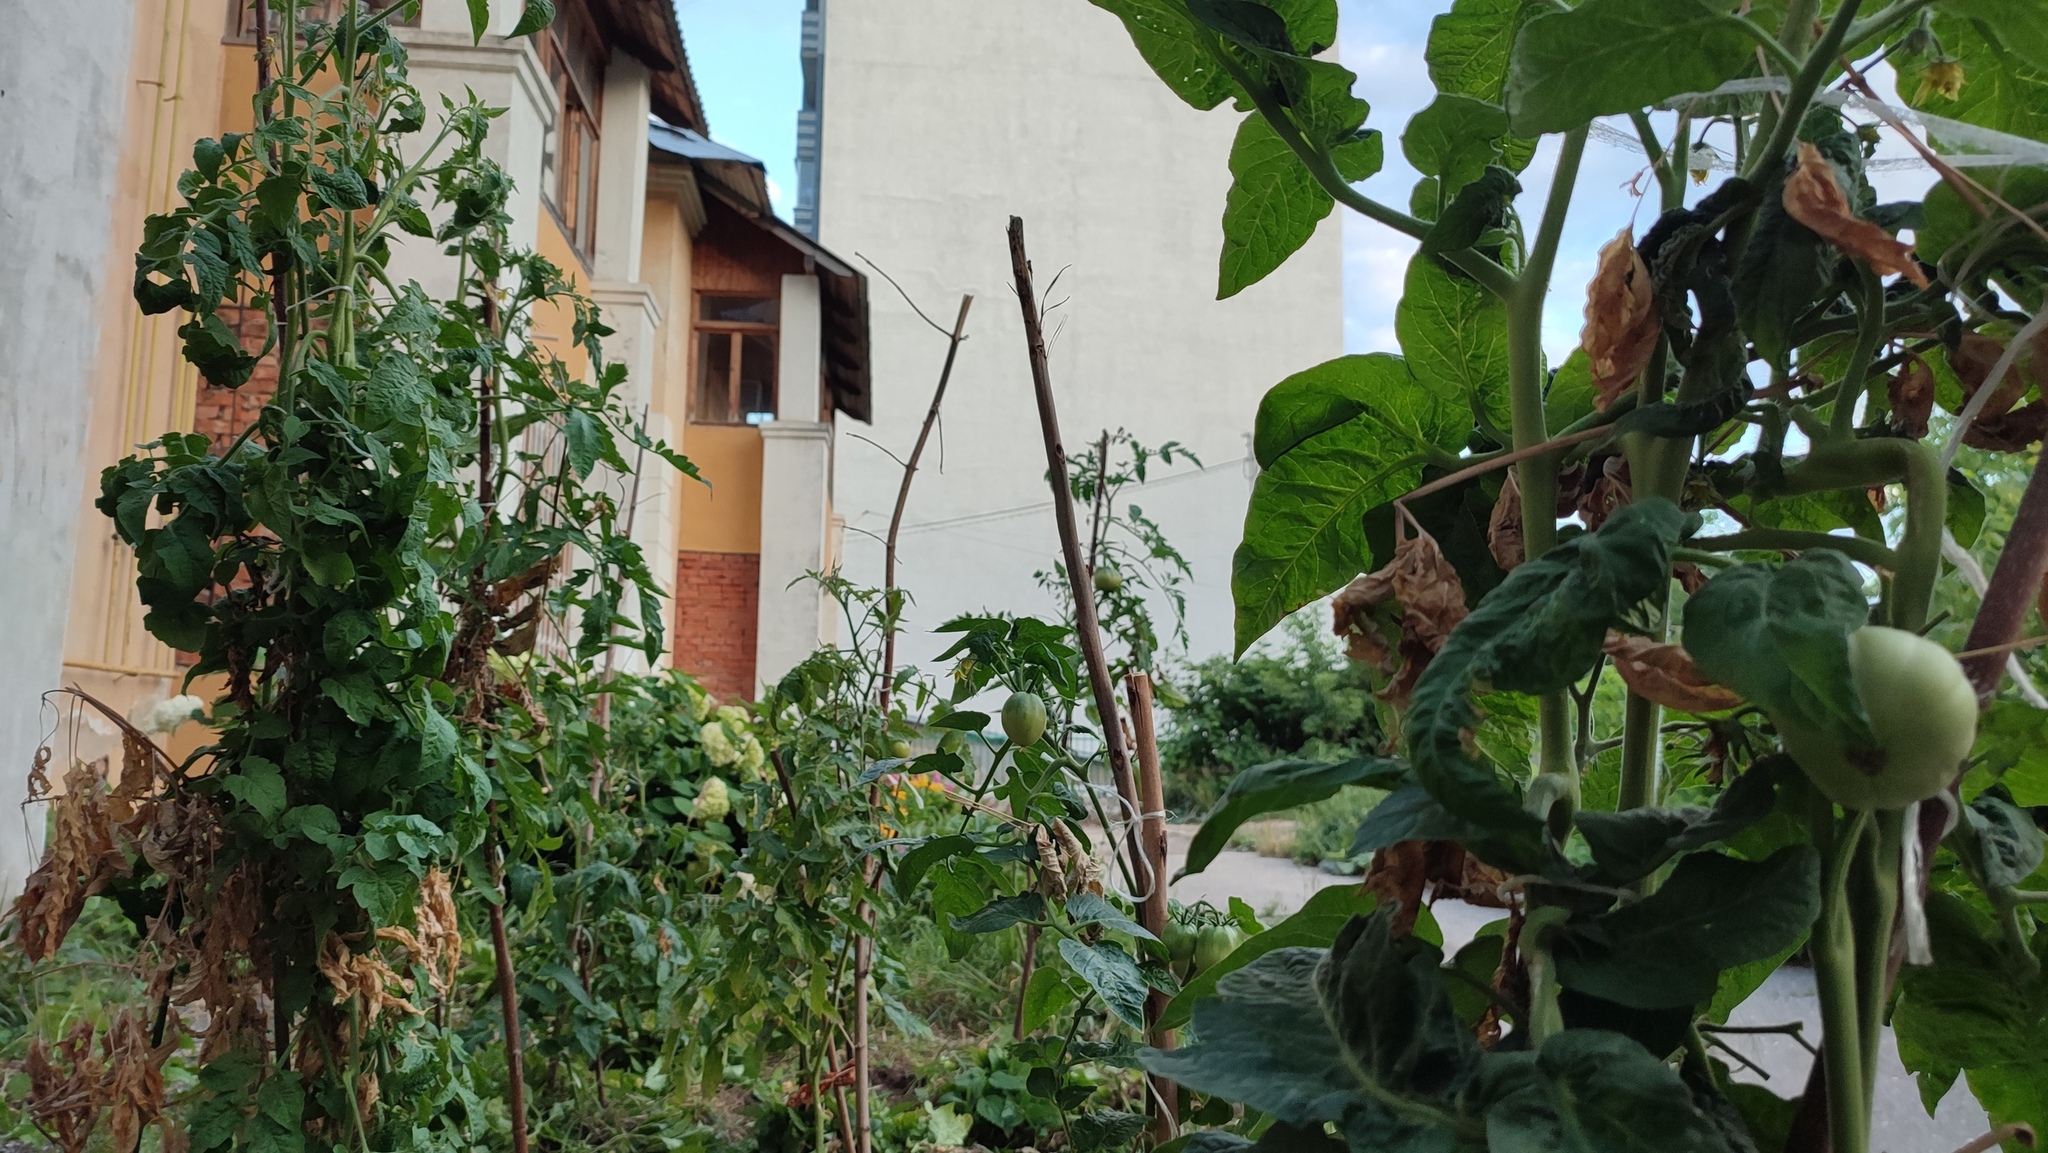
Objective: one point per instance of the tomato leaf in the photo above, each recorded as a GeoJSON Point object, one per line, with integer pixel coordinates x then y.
{"type": "Point", "coordinates": [1311, 1036]}
{"type": "Point", "coordinates": [1779, 635]}
{"type": "Point", "coordinates": [1668, 949]}
{"type": "Point", "coordinates": [1611, 56]}
{"type": "Point", "coordinates": [1304, 532]}
{"type": "Point", "coordinates": [1541, 629]}
{"type": "Point", "coordinates": [1173, 46]}
{"type": "Point", "coordinates": [1635, 843]}
{"type": "Point", "coordinates": [1273, 207]}
{"type": "Point", "coordinates": [1278, 785]}
{"type": "Point", "coordinates": [1113, 975]}
{"type": "Point", "coordinates": [1454, 139]}
{"type": "Point", "coordinates": [1593, 1090]}
{"type": "Point", "coordinates": [1454, 335]}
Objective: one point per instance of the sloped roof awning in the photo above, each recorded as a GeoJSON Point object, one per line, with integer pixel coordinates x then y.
{"type": "Point", "coordinates": [740, 182]}
{"type": "Point", "coordinates": [647, 31]}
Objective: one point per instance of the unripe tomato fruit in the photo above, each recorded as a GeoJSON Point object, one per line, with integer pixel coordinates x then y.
{"type": "Point", "coordinates": [899, 748]}
{"type": "Point", "coordinates": [1024, 718]}
{"type": "Point", "coordinates": [1922, 710]}
{"type": "Point", "coordinates": [1108, 580]}
{"type": "Point", "coordinates": [1179, 940]}
{"type": "Point", "coordinates": [1213, 944]}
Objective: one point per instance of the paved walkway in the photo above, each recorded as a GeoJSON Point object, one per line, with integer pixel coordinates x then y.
{"type": "Point", "coordinates": [1276, 887]}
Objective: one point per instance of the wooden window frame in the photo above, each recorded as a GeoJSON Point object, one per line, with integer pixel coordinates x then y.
{"type": "Point", "coordinates": [577, 131]}
{"type": "Point", "coordinates": [732, 330]}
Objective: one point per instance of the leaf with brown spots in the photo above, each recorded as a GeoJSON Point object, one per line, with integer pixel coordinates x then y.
{"type": "Point", "coordinates": [1814, 198]}
{"type": "Point", "coordinates": [1999, 426]}
{"type": "Point", "coordinates": [1622, 322]}
{"type": "Point", "coordinates": [1664, 673]}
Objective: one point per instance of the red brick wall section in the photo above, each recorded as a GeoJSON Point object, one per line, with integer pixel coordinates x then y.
{"type": "Point", "coordinates": [718, 596]}
{"type": "Point", "coordinates": [221, 414]}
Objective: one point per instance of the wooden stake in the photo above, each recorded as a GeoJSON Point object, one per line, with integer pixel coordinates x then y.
{"type": "Point", "coordinates": [508, 1002]}
{"type": "Point", "coordinates": [1152, 815]}
{"type": "Point", "coordinates": [1087, 630]}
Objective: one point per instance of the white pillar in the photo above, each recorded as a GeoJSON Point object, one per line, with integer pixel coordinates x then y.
{"type": "Point", "coordinates": [66, 94]}
{"type": "Point", "coordinates": [799, 350]}
{"type": "Point", "coordinates": [622, 170]}
{"type": "Point", "coordinates": [794, 613]}
{"type": "Point", "coordinates": [445, 60]}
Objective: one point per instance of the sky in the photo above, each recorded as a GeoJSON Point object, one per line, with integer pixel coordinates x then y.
{"type": "Point", "coordinates": [744, 54]}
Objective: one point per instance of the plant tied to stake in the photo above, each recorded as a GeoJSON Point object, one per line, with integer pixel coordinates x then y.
{"type": "Point", "coordinates": [1666, 856]}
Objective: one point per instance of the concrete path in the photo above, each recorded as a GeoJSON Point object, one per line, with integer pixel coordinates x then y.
{"type": "Point", "coordinates": [1276, 887]}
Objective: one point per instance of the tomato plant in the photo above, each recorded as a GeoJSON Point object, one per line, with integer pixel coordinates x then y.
{"type": "Point", "coordinates": [1743, 439]}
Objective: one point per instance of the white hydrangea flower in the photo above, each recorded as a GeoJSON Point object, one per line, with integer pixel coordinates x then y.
{"type": "Point", "coordinates": [734, 717]}
{"type": "Point", "coordinates": [718, 744]}
{"type": "Point", "coordinates": [752, 756]}
{"type": "Point", "coordinates": [168, 716]}
{"type": "Point", "coordinates": [700, 704]}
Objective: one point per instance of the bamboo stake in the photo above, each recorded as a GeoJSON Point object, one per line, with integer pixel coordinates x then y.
{"type": "Point", "coordinates": [1164, 1101]}
{"type": "Point", "coordinates": [1087, 631]}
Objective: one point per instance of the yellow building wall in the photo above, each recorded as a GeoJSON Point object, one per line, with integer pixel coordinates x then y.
{"type": "Point", "coordinates": [141, 385]}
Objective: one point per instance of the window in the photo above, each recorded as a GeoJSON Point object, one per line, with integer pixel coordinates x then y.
{"type": "Point", "coordinates": [574, 56]}
{"type": "Point", "coordinates": [735, 359]}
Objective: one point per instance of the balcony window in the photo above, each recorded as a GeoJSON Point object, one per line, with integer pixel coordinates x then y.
{"type": "Point", "coordinates": [735, 359]}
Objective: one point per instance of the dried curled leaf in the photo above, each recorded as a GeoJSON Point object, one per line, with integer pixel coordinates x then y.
{"type": "Point", "coordinates": [1664, 673]}
{"type": "Point", "coordinates": [1622, 322]}
{"type": "Point", "coordinates": [1504, 526]}
{"type": "Point", "coordinates": [1432, 601]}
{"type": "Point", "coordinates": [2000, 427]}
{"type": "Point", "coordinates": [364, 976]}
{"type": "Point", "coordinates": [1613, 489]}
{"type": "Point", "coordinates": [1084, 872]}
{"type": "Point", "coordinates": [1814, 198]}
{"type": "Point", "coordinates": [80, 859]}
{"type": "Point", "coordinates": [1912, 400]}
{"type": "Point", "coordinates": [1411, 870]}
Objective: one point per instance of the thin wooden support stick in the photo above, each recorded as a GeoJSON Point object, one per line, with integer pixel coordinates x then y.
{"type": "Point", "coordinates": [1164, 1101]}
{"type": "Point", "coordinates": [1087, 630]}
{"type": "Point", "coordinates": [508, 1003]}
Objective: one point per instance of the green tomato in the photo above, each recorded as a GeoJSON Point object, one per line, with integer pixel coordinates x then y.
{"type": "Point", "coordinates": [1213, 944]}
{"type": "Point", "coordinates": [1179, 940]}
{"type": "Point", "coordinates": [1921, 708]}
{"type": "Point", "coordinates": [1108, 580]}
{"type": "Point", "coordinates": [899, 748]}
{"type": "Point", "coordinates": [1024, 718]}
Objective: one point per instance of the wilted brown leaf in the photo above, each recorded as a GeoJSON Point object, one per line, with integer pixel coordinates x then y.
{"type": "Point", "coordinates": [1999, 426]}
{"type": "Point", "coordinates": [134, 1082]}
{"type": "Point", "coordinates": [1611, 491]}
{"type": "Point", "coordinates": [1912, 399]}
{"type": "Point", "coordinates": [1400, 873]}
{"type": "Point", "coordinates": [79, 860]}
{"type": "Point", "coordinates": [1814, 198]}
{"type": "Point", "coordinates": [1664, 673]}
{"type": "Point", "coordinates": [1622, 322]}
{"type": "Point", "coordinates": [1432, 601]}
{"type": "Point", "coordinates": [363, 976]}
{"type": "Point", "coordinates": [1504, 527]}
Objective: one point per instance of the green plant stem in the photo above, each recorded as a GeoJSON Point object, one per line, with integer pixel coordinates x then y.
{"type": "Point", "coordinates": [1869, 335]}
{"type": "Point", "coordinates": [1670, 179]}
{"type": "Point", "coordinates": [1546, 1019]}
{"type": "Point", "coordinates": [1881, 461]}
{"type": "Point", "coordinates": [1882, 21]}
{"type": "Point", "coordinates": [1767, 162]}
{"type": "Point", "coordinates": [1856, 548]}
{"type": "Point", "coordinates": [1873, 905]}
{"type": "Point", "coordinates": [1772, 45]}
{"type": "Point", "coordinates": [1836, 976]}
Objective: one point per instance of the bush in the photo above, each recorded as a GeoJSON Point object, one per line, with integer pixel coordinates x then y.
{"type": "Point", "coordinates": [1301, 698]}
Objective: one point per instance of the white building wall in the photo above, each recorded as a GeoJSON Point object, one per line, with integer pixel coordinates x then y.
{"type": "Point", "coordinates": [941, 119]}
{"type": "Point", "coordinates": [63, 95]}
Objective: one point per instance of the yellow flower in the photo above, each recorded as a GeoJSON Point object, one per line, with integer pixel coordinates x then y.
{"type": "Point", "coordinates": [1943, 76]}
